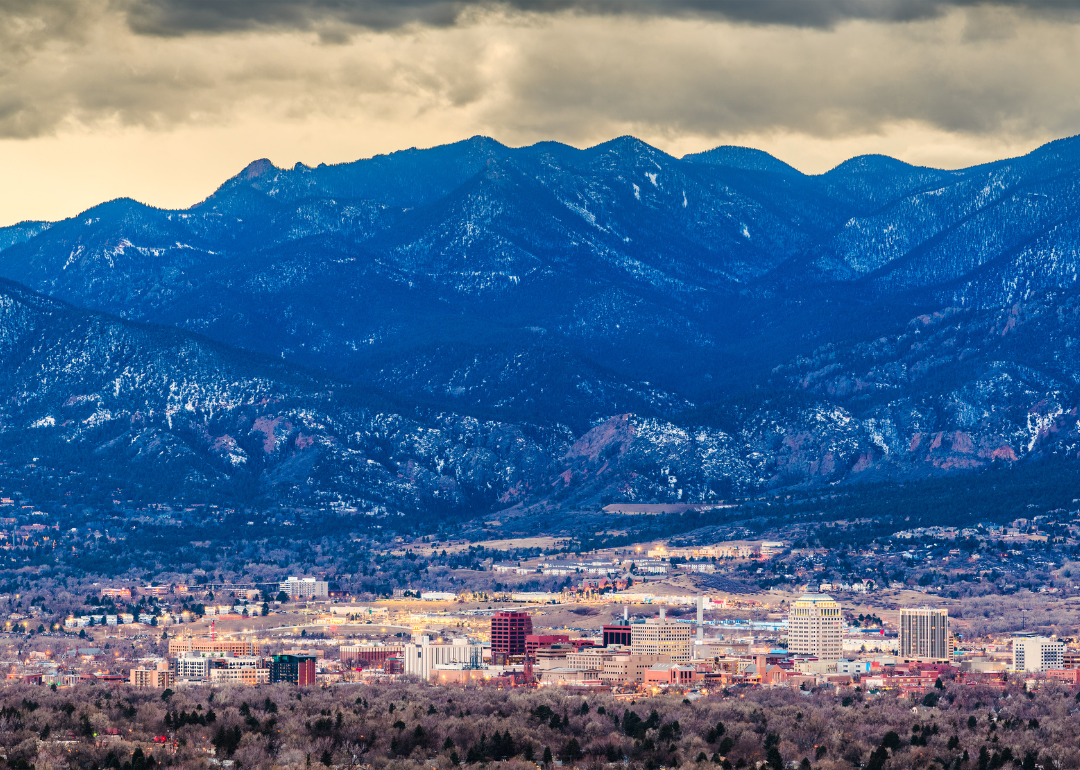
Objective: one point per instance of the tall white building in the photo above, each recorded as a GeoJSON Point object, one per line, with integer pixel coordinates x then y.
{"type": "Point", "coordinates": [924, 633]}
{"type": "Point", "coordinates": [1037, 653]}
{"type": "Point", "coordinates": [305, 588]}
{"type": "Point", "coordinates": [422, 656]}
{"type": "Point", "coordinates": [815, 627]}
{"type": "Point", "coordinates": [662, 637]}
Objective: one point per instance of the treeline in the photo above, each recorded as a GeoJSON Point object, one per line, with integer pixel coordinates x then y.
{"type": "Point", "coordinates": [406, 726]}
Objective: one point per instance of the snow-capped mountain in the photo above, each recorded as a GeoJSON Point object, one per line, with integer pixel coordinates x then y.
{"type": "Point", "coordinates": [647, 326]}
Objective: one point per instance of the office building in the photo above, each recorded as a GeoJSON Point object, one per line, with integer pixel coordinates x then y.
{"type": "Point", "coordinates": [508, 632]}
{"type": "Point", "coordinates": [422, 656]}
{"type": "Point", "coordinates": [553, 656]}
{"type": "Point", "coordinates": [924, 634]}
{"type": "Point", "coordinates": [661, 637]}
{"type": "Point", "coordinates": [535, 641]}
{"type": "Point", "coordinates": [630, 668]}
{"type": "Point", "coordinates": [295, 669]}
{"type": "Point", "coordinates": [367, 655]}
{"type": "Point", "coordinates": [305, 588]}
{"type": "Point", "coordinates": [617, 635]}
{"type": "Point", "coordinates": [241, 669]}
{"type": "Point", "coordinates": [815, 627]}
{"type": "Point", "coordinates": [1037, 653]}
{"type": "Point", "coordinates": [591, 659]}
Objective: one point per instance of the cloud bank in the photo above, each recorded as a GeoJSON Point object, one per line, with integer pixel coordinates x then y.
{"type": "Point", "coordinates": [556, 75]}
{"type": "Point", "coordinates": [177, 17]}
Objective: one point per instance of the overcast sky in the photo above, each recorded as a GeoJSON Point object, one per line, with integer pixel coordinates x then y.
{"type": "Point", "coordinates": [161, 100]}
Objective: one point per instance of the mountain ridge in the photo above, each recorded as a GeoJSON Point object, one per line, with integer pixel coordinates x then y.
{"type": "Point", "coordinates": [667, 303]}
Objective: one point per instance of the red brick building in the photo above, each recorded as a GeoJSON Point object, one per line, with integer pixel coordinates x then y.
{"type": "Point", "coordinates": [508, 632]}
{"type": "Point", "coordinates": [617, 634]}
{"type": "Point", "coordinates": [532, 641]}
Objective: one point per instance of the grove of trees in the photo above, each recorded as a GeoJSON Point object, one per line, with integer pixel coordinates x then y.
{"type": "Point", "coordinates": [408, 726]}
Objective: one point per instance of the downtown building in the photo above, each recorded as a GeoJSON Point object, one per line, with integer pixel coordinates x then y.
{"type": "Point", "coordinates": [815, 627]}
{"type": "Point", "coordinates": [662, 637]}
{"type": "Point", "coordinates": [924, 634]}
{"type": "Point", "coordinates": [508, 633]}
{"type": "Point", "coordinates": [422, 657]}
{"type": "Point", "coordinates": [368, 655]}
{"type": "Point", "coordinates": [294, 669]}
{"type": "Point", "coordinates": [1037, 653]}
{"type": "Point", "coordinates": [221, 667]}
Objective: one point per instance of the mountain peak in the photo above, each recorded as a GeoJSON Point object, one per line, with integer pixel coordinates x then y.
{"type": "Point", "coordinates": [256, 169]}
{"type": "Point", "coordinates": [747, 158]}
{"type": "Point", "coordinates": [871, 164]}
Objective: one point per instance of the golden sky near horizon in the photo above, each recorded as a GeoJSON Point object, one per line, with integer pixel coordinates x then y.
{"type": "Point", "coordinates": [162, 100]}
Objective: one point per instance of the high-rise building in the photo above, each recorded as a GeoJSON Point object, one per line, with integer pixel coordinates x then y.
{"type": "Point", "coordinates": [296, 669]}
{"type": "Point", "coordinates": [1037, 653]}
{"type": "Point", "coordinates": [924, 634]}
{"type": "Point", "coordinates": [815, 626]}
{"type": "Point", "coordinates": [661, 637]}
{"type": "Point", "coordinates": [508, 632]}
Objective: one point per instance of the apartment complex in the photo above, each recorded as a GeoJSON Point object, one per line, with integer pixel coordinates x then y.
{"type": "Point", "coordinates": [159, 677]}
{"type": "Point", "coordinates": [661, 637]}
{"type": "Point", "coordinates": [1037, 653]}
{"type": "Point", "coordinates": [924, 634]}
{"type": "Point", "coordinates": [815, 626]}
{"type": "Point", "coordinates": [305, 588]}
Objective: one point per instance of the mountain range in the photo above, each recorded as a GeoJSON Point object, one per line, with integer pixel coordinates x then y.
{"type": "Point", "coordinates": [473, 326]}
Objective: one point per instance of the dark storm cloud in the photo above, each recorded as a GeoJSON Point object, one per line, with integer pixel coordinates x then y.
{"type": "Point", "coordinates": [178, 17]}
